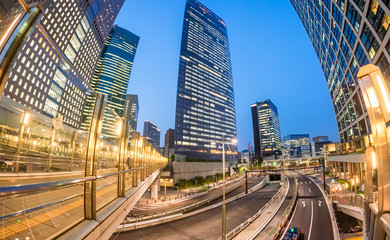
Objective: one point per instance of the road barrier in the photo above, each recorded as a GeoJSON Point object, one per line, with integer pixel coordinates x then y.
{"type": "Point", "coordinates": [184, 211]}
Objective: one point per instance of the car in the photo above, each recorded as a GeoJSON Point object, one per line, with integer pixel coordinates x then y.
{"type": "Point", "coordinates": [292, 233]}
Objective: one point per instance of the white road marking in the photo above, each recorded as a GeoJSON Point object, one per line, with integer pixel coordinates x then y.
{"type": "Point", "coordinates": [303, 203]}
{"type": "Point", "coordinates": [309, 190]}
{"type": "Point", "coordinates": [311, 221]}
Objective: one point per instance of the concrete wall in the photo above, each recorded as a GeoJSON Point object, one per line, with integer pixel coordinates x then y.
{"type": "Point", "coordinates": [189, 170]}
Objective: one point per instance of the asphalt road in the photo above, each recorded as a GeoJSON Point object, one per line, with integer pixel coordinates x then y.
{"type": "Point", "coordinates": [278, 216]}
{"type": "Point", "coordinates": [311, 213]}
{"type": "Point", "coordinates": [206, 225]}
{"type": "Point", "coordinates": [144, 209]}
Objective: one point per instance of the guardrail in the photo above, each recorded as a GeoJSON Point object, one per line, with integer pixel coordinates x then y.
{"type": "Point", "coordinates": [243, 225]}
{"type": "Point", "coordinates": [275, 231]}
{"type": "Point", "coordinates": [187, 208]}
{"type": "Point", "coordinates": [173, 215]}
{"type": "Point", "coordinates": [350, 199]}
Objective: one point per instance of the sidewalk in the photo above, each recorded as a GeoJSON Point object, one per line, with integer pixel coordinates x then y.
{"type": "Point", "coordinates": [270, 216]}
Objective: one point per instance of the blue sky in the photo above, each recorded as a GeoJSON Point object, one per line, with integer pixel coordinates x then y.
{"type": "Point", "coordinates": [271, 54]}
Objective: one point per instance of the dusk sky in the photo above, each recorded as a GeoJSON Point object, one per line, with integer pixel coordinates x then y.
{"type": "Point", "coordinates": [271, 54]}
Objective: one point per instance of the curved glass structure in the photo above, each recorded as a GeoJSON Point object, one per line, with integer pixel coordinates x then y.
{"type": "Point", "coordinates": [348, 34]}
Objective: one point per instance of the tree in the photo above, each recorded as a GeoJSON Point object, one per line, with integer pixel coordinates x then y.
{"type": "Point", "coordinates": [257, 160]}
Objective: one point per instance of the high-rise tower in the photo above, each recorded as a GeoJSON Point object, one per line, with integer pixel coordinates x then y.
{"type": "Point", "coordinates": [152, 134]}
{"type": "Point", "coordinates": [131, 110]}
{"type": "Point", "coordinates": [266, 130]}
{"type": "Point", "coordinates": [346, 35]}
{"type": "Point", "coordinates": [65, 33]}
{"type": "Point", "coordinates": [112, 75]}
{"type": "Point", "coordinates": [205, 109]}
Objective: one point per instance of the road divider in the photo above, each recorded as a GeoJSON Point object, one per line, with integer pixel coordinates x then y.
{"type": "Point", "coordinates": [185, 211]}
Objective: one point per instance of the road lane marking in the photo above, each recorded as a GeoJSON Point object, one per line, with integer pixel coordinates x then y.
{"type": "Point", "coordinates": [309, 190]}
{"type": "Point", "coordinates": [319, 203]}
{"type": "Point", "coordinates": [311, 221]}
{"type": "Point", "coordinates": [303, 203]}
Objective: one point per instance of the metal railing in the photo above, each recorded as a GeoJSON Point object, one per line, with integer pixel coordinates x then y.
{"type": "Point", "coordinates": [65, 154]}
{"type": "Point", "coordinates": [350, 200]}
{"type": "Point", "coordinates": [275, 231]}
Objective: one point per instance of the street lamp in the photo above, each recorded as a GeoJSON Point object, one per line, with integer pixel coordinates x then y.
{"type": "Point", "coordinates": [223, 142]}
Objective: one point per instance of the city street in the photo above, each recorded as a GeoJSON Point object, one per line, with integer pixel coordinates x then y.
{"type": "Point", "coordinates": [239, 187]}
{"type": "Point", "coordinates": [206, 225]}
{"type": "Point", "coordinates": [311, 213]}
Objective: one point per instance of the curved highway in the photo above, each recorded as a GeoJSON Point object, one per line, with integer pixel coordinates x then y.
{"type": "Point", "coordinates": [206, 225]}
{"type": "Point", "coordinates": [311, 213]}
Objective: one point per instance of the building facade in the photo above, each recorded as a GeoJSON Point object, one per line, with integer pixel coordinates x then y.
{"type": "Point", "coordinates": [152, 134]}
{"type": "Point", "coordinates": [297, 146]}
{"type": "Point", "coordinates": [346, 35]}
{"type": "Point", "coordinates": [317, 146]}
{"type": "Point", "coordinates": [131, 110]}
{"type": "Point", "coordinates": [169, 143]}
{"type": "Point", "coordinates": [112, 75]}
{"type": "Point", "coordinates": [76, 29]}
{"type": "Point", "coordinates": [266, 129]}
{"type": "Point", "coordinates": [205, 109]}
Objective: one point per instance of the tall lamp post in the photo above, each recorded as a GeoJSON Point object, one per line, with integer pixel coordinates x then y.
{"type": "Point", "coordinates": [223, 142]}
{"type": "Point", "coordinates": [376, 98]}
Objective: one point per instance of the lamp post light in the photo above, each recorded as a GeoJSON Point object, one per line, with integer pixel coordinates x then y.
{"type": "Point", "coordinates": [223, 142]}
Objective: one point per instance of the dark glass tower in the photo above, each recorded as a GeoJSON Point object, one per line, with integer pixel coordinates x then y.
{"type": "Point", "coordinates": [205, 109]}
{"type": "Point", "coordinates": [112, 75]}
{"type": "Point", "coordinates": [152, 134]}
{"type": "Point", "coordinates": [266, 130]}
{"type": "Point", "coordinates": [348, 34]}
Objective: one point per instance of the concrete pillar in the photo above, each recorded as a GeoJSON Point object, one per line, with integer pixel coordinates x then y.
{"type": "Point", "coordinates": [155, 187]}
{"type": "Point", "coordinates": [345, 170]}
{"type": "Point", "coordinates": [350, 169]}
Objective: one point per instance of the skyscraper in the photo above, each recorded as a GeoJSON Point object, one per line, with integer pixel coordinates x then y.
{"type": "Point", "coordinates": [205, 110]}
{"type": "Point", "coordinates": [266, 130]}
{"type": "Point", "coordinates": [347, 35]}
{"type": "Point", "coordinates": [112, 75]}
{"type": "Point", "coordinates": [131, 110]}
{"type": "Point", "coordinates": [75, 30]}
{"type": "Point", "coordinates": [152, 134]}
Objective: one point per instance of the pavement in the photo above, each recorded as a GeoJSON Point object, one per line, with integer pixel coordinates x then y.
{"type": "Point", "coordinates": [206, 225]}
{"type": "Point", "coordinates": [145, 209]}
{"type": "Point", "coordinates": [311, 214]}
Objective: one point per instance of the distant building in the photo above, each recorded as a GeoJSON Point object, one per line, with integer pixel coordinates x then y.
{"type": "Point", "coordinates": [131, 110]}
{"type": "Point", "coordinates": [266, 130]}
{"type": "Point", "coordinates": [169, 144]}
{"type": "Point", "coordinates": [297, 145]}
{"type": "Point", "coordinates": [247, 156]}
{"type": "Point", "coordinates": [205, 110]}
{"type": "Point", "coordinates": [152, 134]}
{"type": "Point", "coordinates": [317, 146]}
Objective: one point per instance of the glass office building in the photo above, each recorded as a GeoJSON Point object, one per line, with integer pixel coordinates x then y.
{"type": "Point", "coordinates": [266, 129]}
{"type": "Point", "coordinates": [205, 110]}
{"type": "Point", "coordinates": [348, 34]}
{"type": "Point", "coordinates": [76, 29]}
{"type": "Point", "coordinates": [112, 75]}
{"type": "Point", "coordinates": [297, 146]}
{"type": "Point", "coordinates": [131, 110]}
{"type": "Point", "coordinates": [152, 134]}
